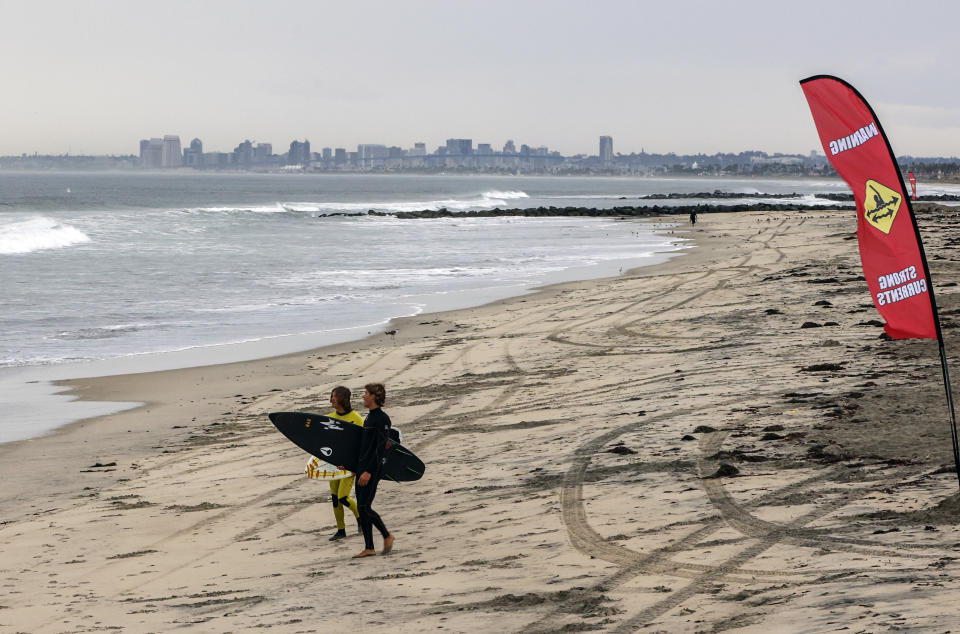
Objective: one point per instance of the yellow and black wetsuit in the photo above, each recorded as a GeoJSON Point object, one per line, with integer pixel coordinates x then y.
{"type": "Point", "coordinates": [340, 489]}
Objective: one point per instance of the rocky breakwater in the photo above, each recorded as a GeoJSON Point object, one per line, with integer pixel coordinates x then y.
{"type": "Point", "coordinates": [844, 200]}
{"type": "Point", "coordinates": [640, 211]}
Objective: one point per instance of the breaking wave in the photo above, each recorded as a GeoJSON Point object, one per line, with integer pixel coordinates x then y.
{"type": "Point", "coordinates": [275, 208]}
{"type": "Point", "coordinates": [37, 234]}
{"type": "Point", "coordinates": [487, 200]}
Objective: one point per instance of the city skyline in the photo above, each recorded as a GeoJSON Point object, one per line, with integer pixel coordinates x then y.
{"type": "Point", "coordinates": [158, 152]}
{"type": "Point", "coordinates": [169, 152]}
{"type": "Point", "coordinates": [695, 77]}
{"type": "Point", "coordinates": [161, 153]}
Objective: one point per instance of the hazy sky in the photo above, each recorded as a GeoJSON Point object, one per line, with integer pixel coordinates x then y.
{"type": "Point", "coordinates": [667, 76]}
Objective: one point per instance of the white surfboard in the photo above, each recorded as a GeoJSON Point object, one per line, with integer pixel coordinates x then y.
{"type": "Point", "coordinates": [317, 469]}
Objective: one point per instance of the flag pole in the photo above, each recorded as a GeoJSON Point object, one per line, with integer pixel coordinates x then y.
{"type": "Point", "coordinates": [933, 300]}
{"type": "Point", "coordinates": [940, 346]}
{"type": "Point", "coordinates": [953, 415]}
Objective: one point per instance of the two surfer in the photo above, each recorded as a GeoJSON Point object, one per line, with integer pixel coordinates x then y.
{"type": "Point", "coordinates": [340, 489]}
{"type": "Point", "coordinates": [372, 450]}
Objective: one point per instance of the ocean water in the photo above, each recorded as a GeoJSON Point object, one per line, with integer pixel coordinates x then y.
{"type": "Point", "coordinates": [144, 271]}
{"type": "Point", "coordinates": [99, 266]}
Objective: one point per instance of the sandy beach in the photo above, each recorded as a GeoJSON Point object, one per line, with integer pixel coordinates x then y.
{"type": "Point", "coordinates": [723, 442]}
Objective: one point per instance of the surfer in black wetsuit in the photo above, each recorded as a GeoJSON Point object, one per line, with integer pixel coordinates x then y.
{"type": "Point", "coordinates": [372, 449]}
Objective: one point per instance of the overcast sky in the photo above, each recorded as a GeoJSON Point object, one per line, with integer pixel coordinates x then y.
{"type": "Point", "coordinates": [667, 76]}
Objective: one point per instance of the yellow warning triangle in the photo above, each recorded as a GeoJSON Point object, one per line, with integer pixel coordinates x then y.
{"type": "Point", "coordinates": [880, 205]}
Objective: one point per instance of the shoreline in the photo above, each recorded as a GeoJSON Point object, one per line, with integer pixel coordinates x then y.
{"type": "Point", "coordinates": [113, 390]}
{"type": "Point", "coordinates": [665, 449]}
{"type": "Point", "coordinates": [52, 403]}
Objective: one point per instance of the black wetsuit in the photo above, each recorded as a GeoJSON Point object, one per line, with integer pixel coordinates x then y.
{"type": "Point", "coordinates": [372, 449]}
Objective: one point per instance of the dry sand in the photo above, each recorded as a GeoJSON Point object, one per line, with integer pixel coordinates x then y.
{"type": "Point", "coordinates": [664, 451]}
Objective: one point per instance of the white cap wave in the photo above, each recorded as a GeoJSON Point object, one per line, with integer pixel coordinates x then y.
{"type": "Point", "coordinates": [37, 234]}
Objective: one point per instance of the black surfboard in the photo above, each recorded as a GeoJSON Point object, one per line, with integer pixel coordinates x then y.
{"type": "Point", "coordinates": [338, 442]}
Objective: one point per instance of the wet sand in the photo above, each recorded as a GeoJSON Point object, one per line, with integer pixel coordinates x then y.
{"type": "Point", "coordinates": [720, 443]}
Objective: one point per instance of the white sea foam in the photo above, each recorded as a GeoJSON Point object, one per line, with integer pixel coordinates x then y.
{"type": "Point", "coordinates": [813, 199]}
{"type": "Point", "coordinates": [596, 197]}
{"type": "Point", "coordinates": [37, 234]}
{"type": "Point", "coordinates": [298, 300]}
{"type": "Point", "coordinates": [365, 281]}
{"type": "Point", "coordinates": [486, 200]}
{"type": "Point", "coordinates": [275, 208]}
{"type": "Point", "coordinates": [100, 332]}
{"type": "Point", "coordinates": [504, 195]}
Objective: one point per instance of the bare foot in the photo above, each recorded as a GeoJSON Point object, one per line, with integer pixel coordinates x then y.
{"type": "Point", "coordinates": [365, 553]}
{"type": "Point", "coordinates": [387, 544]}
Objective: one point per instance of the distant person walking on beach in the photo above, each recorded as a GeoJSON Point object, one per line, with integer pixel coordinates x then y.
{"type": "Point", "coordinates": [340, 489]}
{"type": "Point", "coordinates": [372, 449]}
{"type": "Point", "coordinates": [693, 217]}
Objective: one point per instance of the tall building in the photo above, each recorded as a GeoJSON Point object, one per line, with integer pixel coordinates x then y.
{"type": "Point", "coordinates": [327, 154]}
{"type": "Point", "coordinates": [171, 155]}
{"type": "Point", "coordinates": [372, 154]}
{"type": "Point", "coordinates": [151, 153]}
{"type": "Point", "coordinates": [243, 154]}
{"type": "Point", "coordinates": [372, 151]}
{"type": "Point", "coordinates": [299, 153]}
{"type": "Point", "coordinates": [462, 147]}
{"type": "Point", "coordinates": [193, 155]}
{"type": "Point", "coordinates": [606, 149]}
{"type": "Point", "coordinates": [263, 152]}
{"type": "Point", "coordinates": [509, 147]}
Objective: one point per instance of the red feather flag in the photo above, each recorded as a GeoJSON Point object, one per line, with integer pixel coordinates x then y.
{"type": "Point", "coordinates": [890, 247]}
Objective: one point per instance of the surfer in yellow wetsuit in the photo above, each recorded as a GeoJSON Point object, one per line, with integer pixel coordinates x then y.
{"type": "Point", "coordinates": [340, 489]}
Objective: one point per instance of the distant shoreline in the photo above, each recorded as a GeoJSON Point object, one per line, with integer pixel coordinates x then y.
{"type": "Point", "coordinates": [80, 168]}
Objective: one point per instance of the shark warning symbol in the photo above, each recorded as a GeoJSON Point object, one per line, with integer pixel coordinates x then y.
{"type": "Point", "coordinates": [880, 205]}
